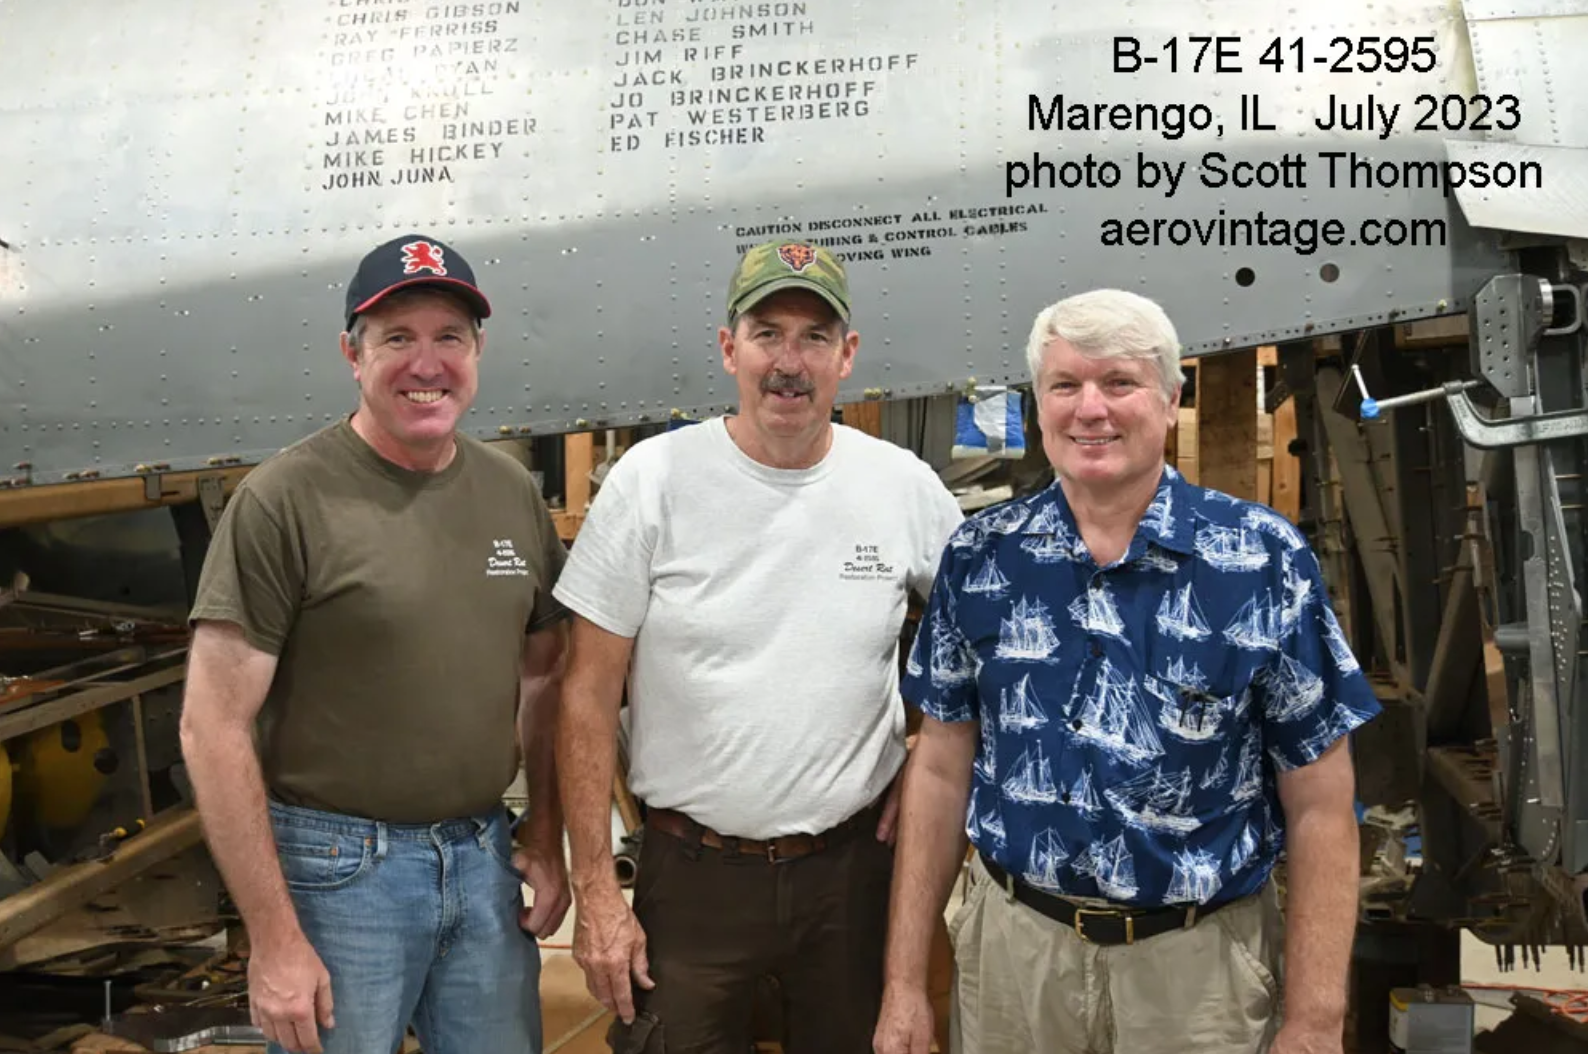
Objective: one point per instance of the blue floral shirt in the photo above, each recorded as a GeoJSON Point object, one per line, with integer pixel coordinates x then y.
{"type": "Point", "coordinates": [1133, 716]}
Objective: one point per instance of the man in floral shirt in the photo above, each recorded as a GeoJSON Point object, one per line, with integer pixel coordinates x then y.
{"type": "Point", "coordinates": [1137, 697]}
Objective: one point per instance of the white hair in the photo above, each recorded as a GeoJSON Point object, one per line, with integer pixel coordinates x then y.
{"type": "Point", "coordinates": [1109, 323]}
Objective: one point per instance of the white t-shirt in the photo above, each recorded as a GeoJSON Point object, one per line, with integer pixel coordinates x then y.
{"type": "Point", "coordinates": [765, 606]}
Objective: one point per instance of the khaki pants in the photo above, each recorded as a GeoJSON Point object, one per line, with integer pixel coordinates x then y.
{"type": "Point", "coordinates": [1024, 983]}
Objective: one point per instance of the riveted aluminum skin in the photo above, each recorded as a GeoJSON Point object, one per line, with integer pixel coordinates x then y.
{"type": "Point", "coordinates": [187, 192]}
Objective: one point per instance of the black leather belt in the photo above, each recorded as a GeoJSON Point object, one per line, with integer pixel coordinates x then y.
{"type": "Point", "coordinates": [1120, 925]}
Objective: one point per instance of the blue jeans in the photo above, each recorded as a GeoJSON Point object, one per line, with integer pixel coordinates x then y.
{"type": "Point", "coordinates": [414, 923]}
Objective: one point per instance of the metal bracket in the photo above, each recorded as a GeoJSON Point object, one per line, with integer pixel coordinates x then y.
{"type": "Point", "coordinates": [212, 498]}
{"type": "Point", "coordinates": [219, 1036]}
{"type": "Point", "coordinates": [1509, 314]}
{"type": "Point", "coordinates": [1574, 293]}
{"type": "Point", "coordinates": [1486, 434]}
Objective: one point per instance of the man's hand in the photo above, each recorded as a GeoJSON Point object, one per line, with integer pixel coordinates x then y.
{"type": "Point", "coordinates": [1299, 1039]}
{"type": "Point", "coordinates": [905, 1024]}
{"type": "Point", "coordinates": [888, 823]}
{"type": "Point", "coordinates": [546, 874]}
{"type": "Point", "coordinates": [609, 945]}
{"type": "Point", "coordinates": [289, 994]}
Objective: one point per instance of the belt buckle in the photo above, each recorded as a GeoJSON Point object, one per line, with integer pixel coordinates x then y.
{"type": "Point", "coordinates": [1108, 913]}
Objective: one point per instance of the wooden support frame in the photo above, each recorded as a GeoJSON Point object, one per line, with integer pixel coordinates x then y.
{"type": "Point", "coordinates": [1227, 422]}
{"type": "Point", "coordinates": [21, 505]}
{"type": "Point", "coordinates": [71, 887]}
{"type": "Point", "coordinates": [42, 715]}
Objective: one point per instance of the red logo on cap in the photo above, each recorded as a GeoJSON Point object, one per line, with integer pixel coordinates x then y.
{"type": "Point", "coordinates": [798, 257]}
{"type": "Point", "coordinates": [423, 256]}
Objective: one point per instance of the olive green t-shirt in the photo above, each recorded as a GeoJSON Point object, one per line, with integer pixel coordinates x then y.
{"type": "Point", "coordinates": [397, 603]}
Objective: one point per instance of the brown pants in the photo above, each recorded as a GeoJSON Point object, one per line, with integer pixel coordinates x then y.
{"type": "Point", "coordinates": [717, 922]}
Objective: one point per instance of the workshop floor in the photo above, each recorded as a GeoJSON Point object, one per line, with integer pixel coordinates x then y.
{"type": "Point", "coordinates": [576, 1024]}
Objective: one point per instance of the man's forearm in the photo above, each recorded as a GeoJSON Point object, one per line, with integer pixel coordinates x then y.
{"type": "Point", "coordinates": [1320, 916]}
{"type": "Point", "coordinates": [586, 759]}
{"type": "Point", "coordinates": [537, 735]}
{"type": "Point", "coordinates": [230, 793]}
{"type": "Point", "coordinates": [931, 847]}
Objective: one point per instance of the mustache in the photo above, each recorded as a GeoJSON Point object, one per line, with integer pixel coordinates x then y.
{"type": "Point", "coordinates": [782, 382]}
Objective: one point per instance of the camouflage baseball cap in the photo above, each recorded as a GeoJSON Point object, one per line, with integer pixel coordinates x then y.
{"type": "Point", "coordinates": [776, 266]}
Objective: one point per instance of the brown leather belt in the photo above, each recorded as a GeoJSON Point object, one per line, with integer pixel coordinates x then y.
{"type": "Point", "coordinates": [773, 850]}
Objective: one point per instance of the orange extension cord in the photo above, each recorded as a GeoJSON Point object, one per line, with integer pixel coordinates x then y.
{"type": "Point", "coordinates": [1570, 1003]}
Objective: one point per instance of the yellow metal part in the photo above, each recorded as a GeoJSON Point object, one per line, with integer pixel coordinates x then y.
{"type": "Point", "coordinates": [5, 789]}
{"type": "Point", "coordinates": [56, 779]}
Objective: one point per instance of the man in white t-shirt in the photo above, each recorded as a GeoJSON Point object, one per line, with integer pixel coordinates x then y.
{"type": "Point", "coordinates": [750, 575]}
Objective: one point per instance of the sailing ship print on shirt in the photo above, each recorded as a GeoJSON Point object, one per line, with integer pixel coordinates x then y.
{"type": "Point", "coordinates": [1293, 690]}
{"type": "Point", "coordinates": [1153, 801]}
{"type": "Point", "coordinates": [987, 757]}
{"type": "Point", "coordinates": [992, 824]}
{"type": "Point", "coordinates": [989, 823]}
{"type": "Point", "coordinates": [1339, 647]}
{"type": "Point", "coordinates": [1262, 518]}
{"type": "Point", "coordinates": [1271, 523]}
{"type": "Point", "coordinates": [1050, 541]}
{"type": "Point", "coordinates": [1083, 797]}
{"type": "Point", "coordinates": [1096, 612]}
{"type": "Point", "coordinates": [1293, 600]}
{"type": "Point", "coordinates": [1257, 625]}
{"type": "Point", "coordinates": [1248, 781]}
{"type": "Point", "coordinates": [1114, 718]}
{"type": "Point", "coordinates": [1189, 719]}
{"type": "Point", "coordinates": [1245, 846]}
{"type": "Point", "coordinates": [1177, 673]}
{"type": "Point", "coordinates": [1111, 866]}
{"type": "Point", "coordinates": [988, 580]}
{"type": "Point", "coordinates": [1337, 723]}
{"type": "Point", "coordinates": [1042, 867]}
{"type": "Point", "coordinates": [1048, 521]}
{"type": "Point", "coordinates": [972, 534]}
{"type": "Point", "coordinates": [1005, 519]}
{"type": "Point", "coordinates": [1027, 633]}
{"type": "Point", "coordinates": [1159, 515]}
{"type": "Point", "coordinates": [951, 661]}
{"type": "Point", "coordinates": [1230, 548]}
{"type": "Point", "coordinates": [1019, 708]}
{"type": "Point", "coordinates": [1155, 559]}
{"type": "Point", "coordinates": [1179, 616]}
{"type": "Point", "coordinates": [1196, 877]}
{"type": "Point", "coordinates": [1215, 776]}
{"type": "Point", "coordinates": [1030, 781]}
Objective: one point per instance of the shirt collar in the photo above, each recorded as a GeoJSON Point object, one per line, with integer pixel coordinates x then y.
{"type": "Point", "coordinates": [1167, 522]}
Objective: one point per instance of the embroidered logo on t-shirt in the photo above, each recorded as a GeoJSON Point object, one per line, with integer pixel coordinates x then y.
{"type": "Point", "coordinates": [865, 566]}
{"type": "Point", "coordinates": [504, 560]}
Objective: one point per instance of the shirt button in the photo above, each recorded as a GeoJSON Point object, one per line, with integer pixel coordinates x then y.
{"type": "Point", "coordinates": [1076, 724]}
{"type": "Point", "coordinates": [1066, 798]}
{"type": "Point", "coordinates": [1097, 649]}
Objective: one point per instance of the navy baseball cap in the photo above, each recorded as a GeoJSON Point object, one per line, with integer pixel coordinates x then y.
{"type": "Point", "coordinates": [412, 260]}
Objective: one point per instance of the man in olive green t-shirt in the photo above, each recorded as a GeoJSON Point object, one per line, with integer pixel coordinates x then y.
{"type": "Point", "coordinates": [373, 622]}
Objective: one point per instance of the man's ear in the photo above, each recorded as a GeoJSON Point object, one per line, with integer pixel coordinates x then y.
{"type": "Point", "coordinates": [350, 352]}
{"type": "Point", "coordinates": [730, 350]}
{"type": "Point", "coordinates": [851, 345]}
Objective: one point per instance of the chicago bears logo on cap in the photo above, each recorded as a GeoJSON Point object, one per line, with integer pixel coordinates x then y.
{"type": "Point", "coordinates": [798, 257]}
{"type": "Point", "coordinates": [423, 256]}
